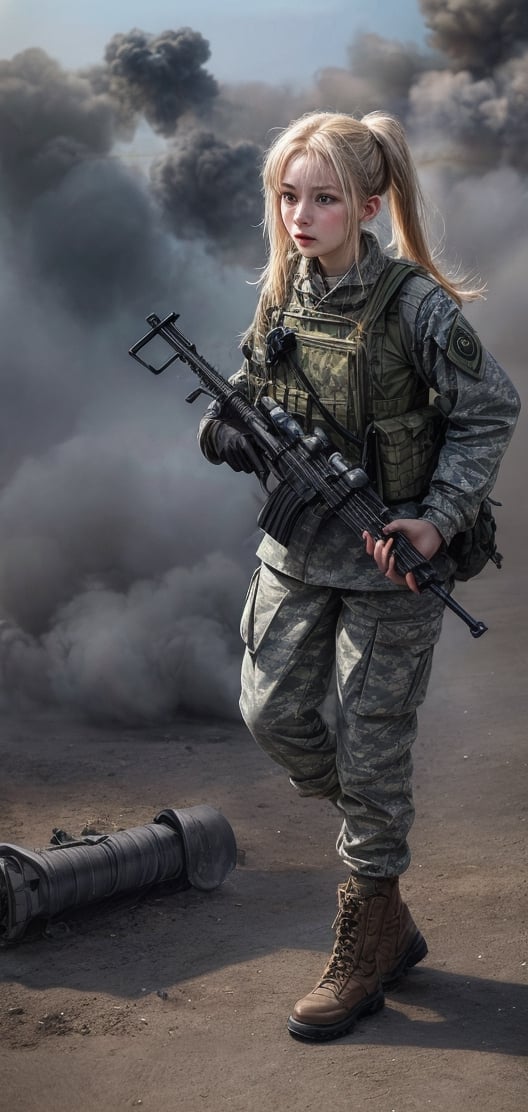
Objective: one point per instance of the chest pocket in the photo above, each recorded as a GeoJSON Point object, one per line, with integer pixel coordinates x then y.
{"type": "Point", "coordinates": [363, 377]}
{"type": "Point", "coordinates": [327, 350]}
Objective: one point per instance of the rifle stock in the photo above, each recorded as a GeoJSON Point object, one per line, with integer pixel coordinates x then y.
{"type": "Point", "coordinates": [309, 471]}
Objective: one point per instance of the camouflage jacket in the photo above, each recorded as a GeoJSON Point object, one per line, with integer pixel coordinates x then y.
{"type": "Point", "coordinates": [479, 400]}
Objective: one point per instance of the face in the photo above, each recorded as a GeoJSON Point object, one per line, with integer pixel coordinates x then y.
{"type": "Point", "coordinates": [315, 215]}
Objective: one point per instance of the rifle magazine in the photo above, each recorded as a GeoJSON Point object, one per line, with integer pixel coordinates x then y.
{"type": "Point", "coordinates": [280, 514]}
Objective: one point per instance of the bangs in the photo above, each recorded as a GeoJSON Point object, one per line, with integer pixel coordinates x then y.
{"type": "Point", "coordinates": [317, 160]}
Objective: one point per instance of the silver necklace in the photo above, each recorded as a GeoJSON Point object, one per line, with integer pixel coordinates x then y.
{"type": "Point", "coordinates": [335, 287]}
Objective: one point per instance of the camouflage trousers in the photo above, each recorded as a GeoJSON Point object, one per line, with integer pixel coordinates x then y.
{"type": "Point", "coordinates": [381, 645]}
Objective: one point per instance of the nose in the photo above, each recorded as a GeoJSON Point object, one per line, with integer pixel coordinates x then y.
{"type": "Point", "coordinates": [302, 215]}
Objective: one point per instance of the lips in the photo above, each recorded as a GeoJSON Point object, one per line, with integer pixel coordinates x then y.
{"type": "Point", "coordinates": [304, 239]}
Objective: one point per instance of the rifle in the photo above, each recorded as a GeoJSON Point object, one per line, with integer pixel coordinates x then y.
{"type": "Point", "coordinates": [311, 474]}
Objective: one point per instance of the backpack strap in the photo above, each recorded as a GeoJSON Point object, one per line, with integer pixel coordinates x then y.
{"type": "Point", "coordinates": [385, 289]}
{"type": "Point", "coordinates": [383, 294]}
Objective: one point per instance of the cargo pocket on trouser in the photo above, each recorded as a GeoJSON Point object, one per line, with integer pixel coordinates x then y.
{"type": "Point", "coordinates": [383, 668]}
{"type": "Point", "coordinates": [263, 601]}
{"type": "Point", "coordinates": [384, 672]}
{"type": "Point", "coordinates": [399, 666]}
{"type": "Point", "coordinates": [246, 621]}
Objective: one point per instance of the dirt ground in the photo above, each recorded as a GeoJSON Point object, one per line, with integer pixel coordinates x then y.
{"type": "Point", "coordinates": [177, 1000]}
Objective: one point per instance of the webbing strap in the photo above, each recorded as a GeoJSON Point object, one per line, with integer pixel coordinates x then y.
{"type": "Point", "coordinates": [329, 417]}
{"type": "Point", "coordinates": [385, 288]}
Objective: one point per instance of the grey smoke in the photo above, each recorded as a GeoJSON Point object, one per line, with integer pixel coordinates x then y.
{"type": "Point", "coordinates": [124, 556]}
{"type": "Point", "coordinates": [474, 107]}
{"type": "Point", "coordinates": [98, 238]}
{"type": "Point", "coordinates": [164, 645]}
{"type": "Point", "coordinates": [115, 534]}
{"type": "Point", "coordinates": [479, 119]}
{"type": "Point", "coordinates": [124, 561]}
{"type": "Point", "coordinates": [50, 121]}
{"type": "Point", "coordinates": [474, 34]}
{"type": "Point", "coordinates": [388, 67]}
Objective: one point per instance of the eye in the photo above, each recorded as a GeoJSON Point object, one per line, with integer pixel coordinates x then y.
{"type": "Point", "coordinates": [288, 198]}
{"type": "Point", "coordinates": [325, 199]}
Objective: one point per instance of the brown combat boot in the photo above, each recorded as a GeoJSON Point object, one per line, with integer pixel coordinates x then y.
{"type": "Point", "coordinates": [350, 986]}
{"type": "Point", "coordinates": [401, 944]}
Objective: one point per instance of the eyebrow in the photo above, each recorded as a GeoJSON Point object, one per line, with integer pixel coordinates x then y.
{"type": "Point", "coordinates": [317, 188]}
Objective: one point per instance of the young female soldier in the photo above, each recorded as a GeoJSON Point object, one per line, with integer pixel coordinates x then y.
{"type": "Point", "coordinates": [375, 342]}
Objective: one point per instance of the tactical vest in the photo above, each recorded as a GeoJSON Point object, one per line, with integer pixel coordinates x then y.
{"type": "Point", "coordinates": [361, 374]}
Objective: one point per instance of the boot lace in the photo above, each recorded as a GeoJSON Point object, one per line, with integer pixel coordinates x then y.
{"type": "Point", "coordinates": [343, 959]}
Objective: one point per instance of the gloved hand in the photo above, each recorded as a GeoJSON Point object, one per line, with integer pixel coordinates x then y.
{"type": "Point", "coordinates": [235, 448]}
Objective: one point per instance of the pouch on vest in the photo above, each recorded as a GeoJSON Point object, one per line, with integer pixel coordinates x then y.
{"type": "Point", "coordinates": [326, 350]}
{"type": "Point", "coordinates": [401, 453]}
{"type": "Point", "coordinates": [363, 378]}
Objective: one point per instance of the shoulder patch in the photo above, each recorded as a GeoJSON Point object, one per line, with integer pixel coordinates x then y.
{"type": "Point", "coordinates": [464, 348]}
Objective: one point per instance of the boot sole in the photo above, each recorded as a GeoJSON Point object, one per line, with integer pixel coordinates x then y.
{"type": "Point", "coordinates": [313, 1032]}
{"type": "Point", "coordinates": [416, 952]}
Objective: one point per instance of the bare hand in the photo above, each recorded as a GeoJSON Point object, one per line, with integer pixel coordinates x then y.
{"type": "Point", "coordinates": [421, 533]}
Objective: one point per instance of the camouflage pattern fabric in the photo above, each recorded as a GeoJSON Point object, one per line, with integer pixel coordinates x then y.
{"type": "Point", "coordinates": [382, 647]}
{"type": "Point", "coordinates": [474, 393]}
{"type": "Point", "coordinates": [322, 602]}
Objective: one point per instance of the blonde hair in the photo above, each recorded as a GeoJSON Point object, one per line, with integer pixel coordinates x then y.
{"type": "Point", "coordinates": [368, 156]}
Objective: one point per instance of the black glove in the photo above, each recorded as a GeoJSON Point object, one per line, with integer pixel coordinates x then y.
{"type": "Point", "coordinates": [235, 448]}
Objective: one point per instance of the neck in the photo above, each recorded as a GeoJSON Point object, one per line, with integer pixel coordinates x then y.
{"type": "Point", "coordinates": [340, 270]}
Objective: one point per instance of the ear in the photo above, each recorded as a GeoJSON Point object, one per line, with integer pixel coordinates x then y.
{"type": "Point", "coordinates": [371, 208]}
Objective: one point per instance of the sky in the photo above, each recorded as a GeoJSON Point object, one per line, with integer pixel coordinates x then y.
{"type": "Point", "coordinates": [265, 40]}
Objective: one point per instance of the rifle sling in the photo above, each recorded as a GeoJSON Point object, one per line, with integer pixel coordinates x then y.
{"type": "Point", "coordinates": [329, 417]}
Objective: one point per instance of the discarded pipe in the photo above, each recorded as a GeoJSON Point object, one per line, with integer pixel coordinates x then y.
{"type": "Point", "coordinates": [195, 846]}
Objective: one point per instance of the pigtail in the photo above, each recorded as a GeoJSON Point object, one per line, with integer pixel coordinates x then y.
{"type": "Point", "coordinates": [369, 157]}
{"type": "Point", "coordinates": [406, 204]}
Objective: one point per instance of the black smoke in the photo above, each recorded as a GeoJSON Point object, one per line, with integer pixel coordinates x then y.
{"type": "Point", "coordinates": [210, 189]}
{"type": "Point", "coordinates": [160, 77]}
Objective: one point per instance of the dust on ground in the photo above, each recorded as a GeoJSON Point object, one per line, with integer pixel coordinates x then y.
{"type": "Point", "coordinates": [177, 1000]}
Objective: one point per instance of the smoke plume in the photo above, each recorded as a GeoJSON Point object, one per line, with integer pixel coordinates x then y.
{"type": "Point", "coordinates": [50, 121]}
{"type": "Point", "coordinates": [133, 187]}
{"type": "Point", "coordinates": [475, 35]}
{"type": "Point", "coordinates": [159, 77]}
{"type": "Point", "coordinates": [210, 189]}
